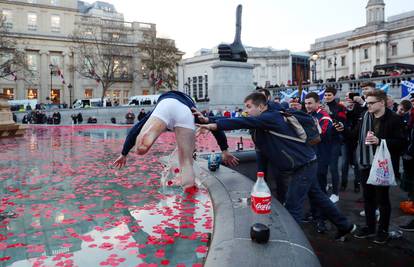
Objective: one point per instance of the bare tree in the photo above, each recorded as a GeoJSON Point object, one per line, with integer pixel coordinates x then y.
{"type": "Point", "coordinates": [104, 53]}
{"type": "Point", "coordinates": [12, 60]}
{"type": "Point", "coordinates": [160, 58]}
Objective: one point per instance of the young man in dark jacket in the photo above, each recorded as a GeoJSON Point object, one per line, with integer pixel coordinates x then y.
{"type": "Point", "coordinates": [376, 124]}
{"type": "Point", "coordinates": [291, 158]}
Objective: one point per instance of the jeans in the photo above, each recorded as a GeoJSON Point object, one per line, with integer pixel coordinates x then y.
{"type": "Point", "coordinates": [348, 158]}
{"type": "Point", "coordinates": [376, 196]}
{"type": "Point", "coordinates": [328, 158]}
{"type": "Point", "coordinates": [303, 184]}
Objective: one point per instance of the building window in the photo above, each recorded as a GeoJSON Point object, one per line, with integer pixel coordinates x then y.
{"type": "Point", "coordinates": [125, 96]}
{"type": "Point", "coordinates": [329, 62]}
{"type": "Point", "coordinates": [366, 55]}
{"type": "Point", "coordinates": [55, 23]}
{"type": "Point", "coordinates": [206, 85]}
{"type": "Point", "coordinates": [200, 86]}
{"type": "Point", "coordinates": [195, 87]}
{"type": "Point", "coordinates": [394, 50]}
{"type": "Point", "coordinates": [32, 62]}
{"type": "Point", "coordinates": [8, 18]}
{"type": "Point", "coordinates": [31, 93]}
{"type": "Point", "coordinates": [9, 92]}
{"type": "Point", "coordinates": [55, 96]}
{"type": "Point", "coordinates": [343, 61]}
{"type": "Point", "coordinates": [88, 93]}
{"type": "Point", "coordinates": [32, 21]}
{"type": "Point", "coordinates": [55, 60]}
{"type": "Point", "coordinates": [413, 46]}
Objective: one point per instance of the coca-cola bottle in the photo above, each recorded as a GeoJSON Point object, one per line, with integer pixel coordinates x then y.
{"type": "Point", "coordinates": [261, 200]}
{"type": "Point", "coordinates": [261, 196]}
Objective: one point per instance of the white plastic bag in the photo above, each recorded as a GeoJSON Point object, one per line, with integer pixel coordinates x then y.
{"type": "Point", "coordinates": [382, 173]}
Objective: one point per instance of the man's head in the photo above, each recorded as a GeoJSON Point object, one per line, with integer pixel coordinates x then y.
{"type": "Point", "coordinates": [265, 92]}
{"type": "Point", "coordinates": [390, 102]}
{"type": "Point", "coordinates": [312, 102]}
{"type": "Point", "coordinates": [255, 104]}
{"type": "Point", "coordinates": [330, 93]}
{"type": "Point", "coordinates": [404, 107]}
{"type": "Point", "coordinates": [367, 87]}
{"type": "Point", "coordinates": [276, 99]}
{"type": "Point", "coordinates": [376, 101]}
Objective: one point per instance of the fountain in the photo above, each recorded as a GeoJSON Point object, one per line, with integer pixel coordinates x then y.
{"type": "Point", "coordinates": [8, 128]}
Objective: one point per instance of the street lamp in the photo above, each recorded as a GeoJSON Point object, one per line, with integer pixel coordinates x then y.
{"type": "Point", "coordinates": [187, 88]}
{"type": "Point", "coordinates": [51, 76]}
{"type": "Point", "coordinates": [314, 58]}
{"type": "Point", "coordinates": [70, 94]}
{"type": "Point", "coordinates": [335, 64]}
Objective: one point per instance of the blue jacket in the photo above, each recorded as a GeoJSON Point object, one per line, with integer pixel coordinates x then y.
{"type": "Point", "coordinates": [183, 98]}
{"type": "Point", "coordinates": [283, 154]}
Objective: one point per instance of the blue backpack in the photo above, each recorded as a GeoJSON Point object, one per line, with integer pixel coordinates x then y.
{"type": "Point", "coordinates": [306, 127]}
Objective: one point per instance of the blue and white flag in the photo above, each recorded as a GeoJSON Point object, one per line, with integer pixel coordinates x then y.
{"type": "Point", "coordinates": [407, 87]}
{"type": "Point", "coordinates": [289, 94]}
{"type": "Point", "coordinates": [383, 86]}
{"type": "Point", "coordinates": [319, 90]}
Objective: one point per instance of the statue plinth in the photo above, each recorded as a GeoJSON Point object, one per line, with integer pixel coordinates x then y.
{"type": "Point", "coordinates": [8, 128]}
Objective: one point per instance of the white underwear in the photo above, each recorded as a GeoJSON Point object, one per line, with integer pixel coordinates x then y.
{"type": "Point", "coordinates": [174, 114]}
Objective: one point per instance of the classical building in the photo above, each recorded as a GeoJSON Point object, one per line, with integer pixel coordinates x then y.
{"type": "Point", "coordinates": [356, 52]}
{"type": "Point", "coordinates": [42, 28]}
{"type": "Point", "coordinates": [271, 67]}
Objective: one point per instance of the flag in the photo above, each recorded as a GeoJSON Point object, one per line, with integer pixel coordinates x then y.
{"type": "Point", "coordinates": [287, 95]}
{"type": "Point", "coordinates": [383, 86]}
{"type": "Point", "coordinates": [319, 90]}
{"type": "Point", "coordinates": [60, 74]}
{"type": "Point", "coordinates": [407, 87]}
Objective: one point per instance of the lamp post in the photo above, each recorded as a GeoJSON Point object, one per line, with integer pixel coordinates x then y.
{"type": "Point", "coordinates": [187, 88]}
{"type": "Point", "coordinates": [51, 78]}
{"type": "Point", "coordinates": [314, 58]}
{"type": "Point", "coordinates": [335, 64]}
{"type": "Point", "coordinates": [70, 94]}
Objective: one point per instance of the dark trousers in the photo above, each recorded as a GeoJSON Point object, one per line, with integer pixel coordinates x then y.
{"type": "Point", "coordinates": [375, 197]}
{"type": "Point", "coordinates": [348, 158]}
{"type": "Point", "coordinates": [328, 156]}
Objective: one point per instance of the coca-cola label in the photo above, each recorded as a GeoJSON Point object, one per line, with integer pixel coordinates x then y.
{"type": "Point", "coordinates": [261, 204]}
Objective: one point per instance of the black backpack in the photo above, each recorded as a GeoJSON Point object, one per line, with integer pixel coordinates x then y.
{"type": "Point", "coordinates": [306, 127]}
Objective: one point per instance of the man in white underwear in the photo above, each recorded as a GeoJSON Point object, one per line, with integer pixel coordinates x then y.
{"type": "Point", "coordinates": [173, 112]}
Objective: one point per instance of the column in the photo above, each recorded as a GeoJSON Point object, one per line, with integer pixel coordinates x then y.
{"type": "Point", "coordinates": [373, 55]}
{"type": "Point", "coordinates": [322, 68]}
{"type": "Point", "coordinates": [357, 62]}
{"type": "Point", "coordinates": [383, 53]}
{"type": "Point", "coordinates": [65, 92]}
{"type": "Point", "coordinates": [350, 61]}
{"type": "Point", "coordinates": [77, 81]}
{"type": "Point", "coordinates": [44, 76]}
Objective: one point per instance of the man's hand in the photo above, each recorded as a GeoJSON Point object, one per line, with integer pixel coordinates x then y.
{"type": "Point", "coordinates": [199, 115]}
{"type": "Point", "coordinates": [229, 159]}
{"type": "Point", "coordinates": [339, 127]}
{"type": "Point", "coordinates": [358, 100]}
{"type": "Point", "coordinates": [120, 161]}
{"type": "Point", "coordinates": [208, 127]}
{"type": "Point", "coordinates": [372, 139]}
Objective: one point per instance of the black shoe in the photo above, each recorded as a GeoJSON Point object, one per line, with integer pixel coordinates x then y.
{"type": "Point", "coordinates": [363, 233]}
{"type": "Point", "coordinates": [341, 235]}
{"type": "Point", "coordinates": [321, 227]}
{"type": "Point", "coordinates": [408, 228]}
{"type": "Point", "coordinates": [381, 238]}
{"type": "Point", "coordinates": [357, 188]}
{"type": "Point", "coordinates": [343, 188]}
{"type": "Point", "coordinates": [308, 218]}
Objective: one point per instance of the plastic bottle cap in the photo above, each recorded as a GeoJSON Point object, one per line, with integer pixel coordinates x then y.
{"type": "Point", "coordinates": [259, 233]}
{"type": "Point", "coordinates": [176, 170]}
{"type": "Point", "coordinates": [260, 174]}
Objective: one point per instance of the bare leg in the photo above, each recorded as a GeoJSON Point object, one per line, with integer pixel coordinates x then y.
{"type": "Point", "coordinates": [186, 144]}
{"type": "Point", "coordinates": [151, 130]}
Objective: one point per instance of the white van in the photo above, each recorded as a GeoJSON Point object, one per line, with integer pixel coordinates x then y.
{"type": "Point", "coordinates": [23, 103]}
{"type": "Point", "coordinates": [143, 100]}
{"type": "Point", "coordinates": [89, 103]}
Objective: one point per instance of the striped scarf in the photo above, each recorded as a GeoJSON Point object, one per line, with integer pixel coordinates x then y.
{"type": "Point", "coordinates": [365, 153]}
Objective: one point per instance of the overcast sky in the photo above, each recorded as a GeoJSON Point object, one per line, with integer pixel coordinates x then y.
{"type": "Point", "coordinates": [281, 24]}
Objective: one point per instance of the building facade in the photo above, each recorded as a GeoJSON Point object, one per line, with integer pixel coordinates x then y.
{"type": "Point", "coordinates": [357, 52]}
{"type": "Point", "coordinates": [43, 28]}
{"type": "Point", "coordinates": [271, 68]}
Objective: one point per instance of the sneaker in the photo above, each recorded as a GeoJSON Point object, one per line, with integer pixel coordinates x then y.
{"type": "Point", "coordinates": [334, 198]}
{"type": "Point", "coordinates": [308, 218]}
{"type": "Point", "coordinates": [364, 233]}
{"type": "Point", "coordinates": [321, 227]}
{"type": "Point", "coordinates": [341, 235]}
{"type": "Point", "coordinates": [408, 227]}
{"type": "Point", "coordinates": [381, 238]}
{"type": "Point", "coordinates": [377, 213]}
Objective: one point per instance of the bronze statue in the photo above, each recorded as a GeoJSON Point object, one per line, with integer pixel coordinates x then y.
{"type": "Point", "coordinates": [234, 51]}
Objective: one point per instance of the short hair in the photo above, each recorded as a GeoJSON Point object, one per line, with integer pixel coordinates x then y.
{"type": "Point", "coordinates": [379, 94]}
{"type": "Point", "coordinates": [368, 84]}
{"type": "Point", "coordinates": [256, 98]}
{"type": "Point", "coordinates": [313, 95]}
{"type": "Point", "coordinates": [265, 91]}
{"type": "Point", "coordinates": [331, 90]}
{"type": "Point", "coordinates": [406, 105]}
